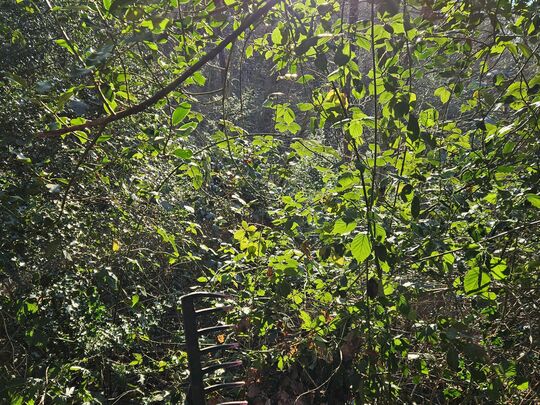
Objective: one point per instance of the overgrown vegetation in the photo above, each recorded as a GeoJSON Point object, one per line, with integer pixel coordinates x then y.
{"type": "Point", "coordinates": [362, 176]}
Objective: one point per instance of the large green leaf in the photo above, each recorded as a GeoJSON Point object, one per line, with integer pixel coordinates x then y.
{"type": "Point", "coordinates": [534, 200]}
{"type": "Point", "coordinates": [277, 37]}
{"type": "Point", "coordinates": [341, 227]}
{"type": "Point", "coordinates": [180, 113]}
{"type": "Point", "coordinates": [361, 247]}
{"type": "Point", "coordinates": [476, 281]}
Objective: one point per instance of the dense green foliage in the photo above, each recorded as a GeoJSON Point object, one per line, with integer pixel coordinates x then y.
{"type": "Point", "coordinates": [363, 177]}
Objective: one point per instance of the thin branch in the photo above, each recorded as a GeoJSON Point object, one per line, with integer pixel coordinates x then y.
{"type": "Point", "coordinates": [500, 235]}
{"type": "Point", "coordinates": [103, 121]}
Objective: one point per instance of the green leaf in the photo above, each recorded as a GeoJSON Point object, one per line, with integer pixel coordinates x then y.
{"type": "Point", "coordinates": [361, 247]}
{"type": "Point", "coordinates": [476, 281]}
{"type": "Point", "coordinates": [180, 113]}
{"type": "Point", "coordinates": [305, 79]}
{"type": "Point", "coordinates": [281, 363]}
{"type": "Point", "coordinates": [405, 192]}
{"type": "Point", "coordinates": [17, 399]}
{"type": "Point", "coordinates": [103, 139]}
{"type": "Point", "coordinates": [138, 359]}
{"type": "Point", "coordinates": [308, 147]}
{"type": "Point", "coordinates": [152, 45]}
{"type": "Point", "coordinates": [534, 200]}
{"type": "Point", "coordinates": [182, 153]}
{"type": "Point", "coordinates": [380, 233]}
{"type": "Point", "coordinates": [523, 386]}
{"type": "Point", "coordinates": [498, 268]}
{"type": "Point", "coordinates": [196, 176]}
{"type": "Point", "coordinates": [306, 320]}
{"type": "Point", "coordinates": [443, 93]}
{"type": "Point", "coordinates": [64, 44]}
{"type": "Point", "coordinates": [305, 106]}
{"type": "Point", "coordinates": [239, 234]}
{"type": "Point", "coordinates": [356, 128]}
{"type": "Point", "coordinates": [276, 36]}
{"type": "Point", "coordinates": [107, 4]}
{"type": "Point", "coordinates": [509, 147]}
{"type": "Point", "coordinates": [31, 307]}
{"type": "Point", "coordinates": [134, 300]}
{"type": "Point", "coordinates": [347, 179]}
{"type": "Point", "coordinates": [343, 228]}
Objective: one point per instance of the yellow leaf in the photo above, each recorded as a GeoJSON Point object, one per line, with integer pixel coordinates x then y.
{"type": "Point", "coordinates": [115, 245]}
{"type": "Point", "coordinates": [337, 99]}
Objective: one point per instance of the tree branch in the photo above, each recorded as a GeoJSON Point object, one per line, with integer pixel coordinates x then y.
{"type": "Point", "coordinates": [103, 121]}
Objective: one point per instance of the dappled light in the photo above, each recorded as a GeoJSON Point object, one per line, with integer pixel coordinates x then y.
{"type": "Point", "coordinates": [269, 202]}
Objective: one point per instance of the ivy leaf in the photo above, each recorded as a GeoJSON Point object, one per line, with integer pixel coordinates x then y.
{"type": "Point", "coordinates": [361, 247]}
{"type": "Point", "coordinates": [180, 113]}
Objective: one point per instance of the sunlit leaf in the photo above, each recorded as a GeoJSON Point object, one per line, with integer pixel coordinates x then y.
{"type": "Point", "coordinates": [534, 199]}
{"type": "Point", "coordinates": [361, 247]}
{"type": "Point", "coordinates": [476, 281]}
{"type": "Point", "coordinates": [115, 245]}
{"type": "Point", "coordinates": [180, 112]}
